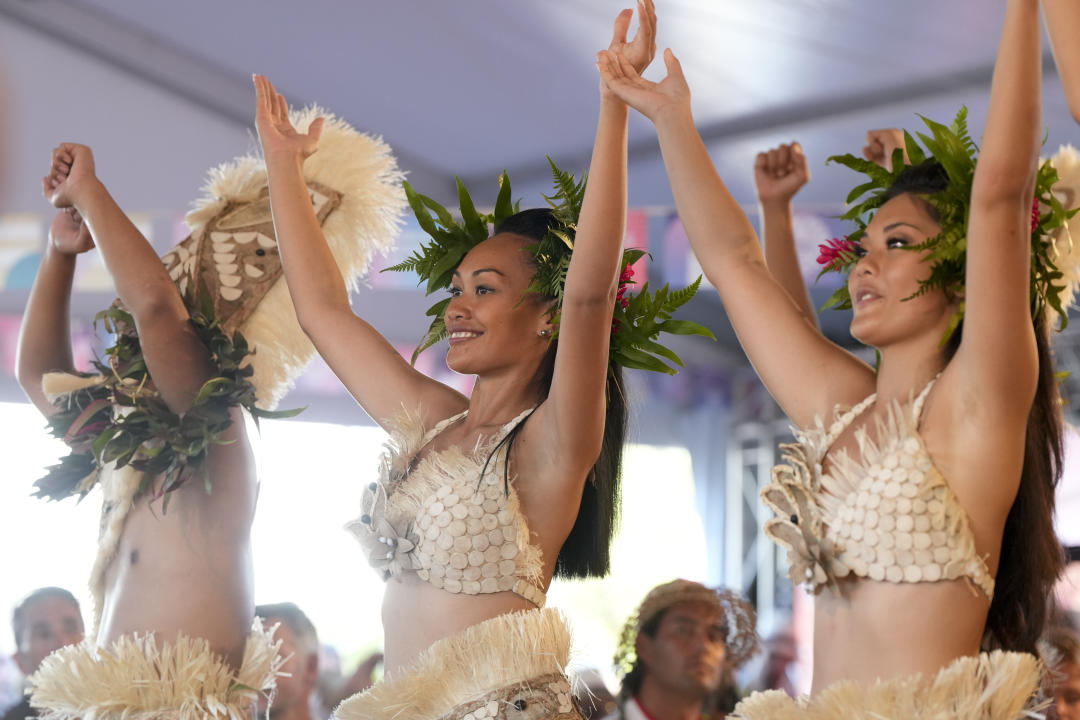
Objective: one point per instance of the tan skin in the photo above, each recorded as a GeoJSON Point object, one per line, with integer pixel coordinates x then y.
{"type": "Point", "coordinates": [865, 630]}
{"type": "Point", "coordinates": [1067, 690]}
{"type": "Point", "coordinates": [49, 623]}
{"type": "Point", "coordinates": [683, 661]}
{"type": "Point", "coordinates": [1062, 24]}
{"type": "Point", "coordinates": [556, 449]}
{"type": "Point", "coordinates": [779, 174]}
{"type": "Point", "coordinates": [188, 570]}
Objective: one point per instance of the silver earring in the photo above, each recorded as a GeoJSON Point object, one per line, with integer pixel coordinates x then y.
{"type": "Point", "coordinates": [544, 333]}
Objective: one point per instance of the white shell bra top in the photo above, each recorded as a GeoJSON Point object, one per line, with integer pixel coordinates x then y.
{"type": "Point", "coordinates": [886, 515]}
{"type": "Point", "coordinates": [456, 525]}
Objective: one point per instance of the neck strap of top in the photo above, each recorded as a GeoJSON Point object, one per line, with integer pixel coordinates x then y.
{"type": "Point", "coordinates": [496, 437]}
{"type": "Point", "coordinates": [846, 418]}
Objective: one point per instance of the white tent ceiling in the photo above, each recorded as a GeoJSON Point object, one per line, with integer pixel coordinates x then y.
{"type": "Point", "coordinates": [472, 87]}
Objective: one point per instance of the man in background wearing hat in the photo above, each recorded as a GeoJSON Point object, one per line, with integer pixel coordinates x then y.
{"type": "Point", "coordinates": [676, 651]}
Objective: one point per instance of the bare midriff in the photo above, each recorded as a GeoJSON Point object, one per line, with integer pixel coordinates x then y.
{"type": "Point", "coordinates": [188, 569]}
{"type": "Point", "coordinates": [416, 614]}
{"type": "Point", "coordinates": [866, 630]}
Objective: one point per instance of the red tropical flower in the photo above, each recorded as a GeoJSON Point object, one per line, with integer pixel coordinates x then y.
{"type": "Point", "coordinates": [836, 253]}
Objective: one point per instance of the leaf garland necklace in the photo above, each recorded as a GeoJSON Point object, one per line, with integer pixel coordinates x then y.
{"type": "Point", "coordinates": [122, 418]}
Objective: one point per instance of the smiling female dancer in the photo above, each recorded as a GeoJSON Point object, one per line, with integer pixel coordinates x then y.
{"type": "Point", "coordinates": [910, 488]}
{"type": "Point", "coordinates": [482, 499]}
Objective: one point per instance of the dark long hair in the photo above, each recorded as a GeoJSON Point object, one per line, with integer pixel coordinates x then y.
{"type": "Point", "coordinates": [1031, 556]}
{"type": "Point", "coordinates": [587, 550]}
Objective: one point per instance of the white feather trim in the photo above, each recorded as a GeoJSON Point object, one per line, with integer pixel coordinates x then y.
{"type": "Point", "coordinates": [991, 686]}
{"type": "Point", "coordinates": [139, 679]}
{"type": "Point", "coordinates": [55, 384]}
{"type": "Point", "coordinates": [119, 487]}
{"type": "Point", "coordinates": [502, 651]}
{"type": "Point", "coordinates": [366, 224]}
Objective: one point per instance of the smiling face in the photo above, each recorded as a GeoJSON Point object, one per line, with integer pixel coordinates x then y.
{"type": "Point", "coordinates": [493, 321]}
{"type": "Point", "coordinates": [888, 272]}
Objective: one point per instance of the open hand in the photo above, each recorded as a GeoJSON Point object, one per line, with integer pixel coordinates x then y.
{"type": "Point", "coordinates": [276, 132]}
{"type": "Point", "coordinates": [70, 172]}
{"type": "Point", "coordinates": [781, 172]}
{"type": "Point", "coordinates": [647, 97]}
{"type": "Point", "coordinates": [68, 234]}
{"type": "Point", "coordinates": [641, 50]}
{"type": "Point", "coordinates": [880, 145]}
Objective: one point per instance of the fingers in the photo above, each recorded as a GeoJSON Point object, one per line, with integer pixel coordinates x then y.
{"type": "Point", "coordinates": [781, 161]}
{"type": "Point", "coordinates": [647, 13]}
{"type": "Point", "coordinates": [262, 95]}
{"type": "Point", "coordinates": [674, 67]}
{"type": "Point", "coordinates": [622, 26]}
{"type": "Point", "coordinates": [626, 67]}
{"type": "Point", "coordinates": [282, 108]}
{"type": "Point", "coordinates": [609, 67]}
{"type": "Point", "coordinates": [315, 129]}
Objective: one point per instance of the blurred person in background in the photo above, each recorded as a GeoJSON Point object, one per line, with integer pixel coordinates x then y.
{"type": "Point", "coordinates": [300, 648]}
{"type": "Point", "coordinates": [333, 685]}
{"type": "Point", "coordinates": [1060, 650]}
{"type": "Point", "coordinates": [45, 620]}
{"type": "Point", "coordinates": [678, 648]}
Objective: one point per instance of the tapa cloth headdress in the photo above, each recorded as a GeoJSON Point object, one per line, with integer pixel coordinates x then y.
{"type": "Point", "coordinates": [741, 641]}
{"type": "Point", "coordinates": [1053, 280]}
{"type": "Point", "coordinates": [638, 319]}
{"type": "Point", "coordinates": [229, 273]}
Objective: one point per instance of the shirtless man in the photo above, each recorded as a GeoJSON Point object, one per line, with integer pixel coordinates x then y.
{"type": "Point", "coordinates": [180, 581]}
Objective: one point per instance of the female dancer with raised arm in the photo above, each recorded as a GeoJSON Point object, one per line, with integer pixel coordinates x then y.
{"type": "Point", "coordinates": [159, 428]}
{"type": "Point", "coordinates": [911, 488]}
{"type": "Point", "coordinates": [482, 499]}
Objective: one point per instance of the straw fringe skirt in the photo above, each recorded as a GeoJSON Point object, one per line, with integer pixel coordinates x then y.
{"type": "Point", "coordinates": [506, 668]}
{"type": "Point", "coordinates": [991, 686]}
{"type": "Point", "coordinates": [138, 679]}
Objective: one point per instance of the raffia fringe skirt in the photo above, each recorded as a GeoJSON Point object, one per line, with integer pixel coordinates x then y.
{"type": "Point", "coordinates": [991, 686]}
{"type": "Point", "coordinates": [136, 679]}
{"type": "Point", "coordinates": [512, 666]}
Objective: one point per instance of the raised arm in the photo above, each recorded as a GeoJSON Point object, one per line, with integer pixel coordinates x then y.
{"type": "Point", "coordinates": [998, 346]}
{"type": "Point", "coordinates": [178, 361]}
{"type": "Point", "coordinates": [1063, 26]}
{"type": "Point", "coordinates": [573, 416]}
{"type": "Point", "coordinates": [45, 334]}
{"type": "Point", "coordinates": [365, 362]}
{"type": "Point", "coordinates": [770, 327]}
{"type": "Point", "coordinates": [778, 175]}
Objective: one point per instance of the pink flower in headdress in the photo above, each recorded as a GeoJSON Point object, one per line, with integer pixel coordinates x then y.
{"type": "Point", "coordinates": [1034, 214]}
{"type": "Point", "coordinates": [836, 253]}
{"type": "Point", "coordinates": [624, 280]}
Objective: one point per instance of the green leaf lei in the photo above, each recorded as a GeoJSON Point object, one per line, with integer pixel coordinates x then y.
{"type": "Point", "coordinates": [123, 419]}
{"type": "Point", "coordinates": [638, 319]}
{"type": "Point", "coordinates": [954, 149]}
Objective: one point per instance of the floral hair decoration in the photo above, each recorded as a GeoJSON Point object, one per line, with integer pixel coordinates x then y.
{"type": "Point", "coordinates": [953, 148]}
{"type": "Point", "coordinates": [638, 319]}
